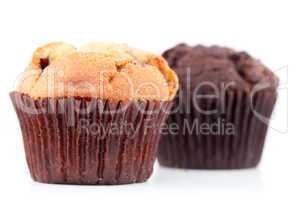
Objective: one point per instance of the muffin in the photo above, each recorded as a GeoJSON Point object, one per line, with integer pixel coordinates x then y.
{"type": "Point", "coordinates": [220, 116]}
{"type": "Point", "coordinates": [92, 115]}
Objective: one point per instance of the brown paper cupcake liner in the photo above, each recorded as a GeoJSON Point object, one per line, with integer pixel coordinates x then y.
{"type": "Point", "coordinates": [239, 145]}
{"type": "Point", "coordinates": [89, 141]}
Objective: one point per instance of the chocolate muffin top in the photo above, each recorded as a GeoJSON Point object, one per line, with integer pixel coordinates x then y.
{"type": "Point", "coordinates": [99, 70]}
{"type": "Point", "coordinates": [218, 66]}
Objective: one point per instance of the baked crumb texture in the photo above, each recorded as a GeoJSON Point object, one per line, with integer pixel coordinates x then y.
{"type": "Point", "coordinates": [99, 70]}
{"type": "Point", "coordinates": [219, 65]}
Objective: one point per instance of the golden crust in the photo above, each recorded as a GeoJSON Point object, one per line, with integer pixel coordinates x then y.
{"type": "Point", "coordinates": [99, 70]}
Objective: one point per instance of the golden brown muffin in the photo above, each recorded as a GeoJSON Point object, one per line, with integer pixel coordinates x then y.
{"type": "Point", "coordinates": [93, 115]}
{"type": "Point", "coordinates": [100, 70]}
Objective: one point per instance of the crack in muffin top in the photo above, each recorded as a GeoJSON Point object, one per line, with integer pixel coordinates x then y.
{"type": "Point", "coordinates": [100, 70]}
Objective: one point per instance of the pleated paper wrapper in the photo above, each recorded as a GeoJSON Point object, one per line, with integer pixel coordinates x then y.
{"type": "Point", "coordinates": [89, 141]}
{"type": "Point", "coordinates": [215, 145]}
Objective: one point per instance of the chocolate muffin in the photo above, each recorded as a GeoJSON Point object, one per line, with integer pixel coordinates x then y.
{"type": "Point", "coordinates": [92, 115]}
{"type": "Point", "coordinates": [221, 114]}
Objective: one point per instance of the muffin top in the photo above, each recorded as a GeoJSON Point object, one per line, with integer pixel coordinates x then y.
{"type": "Point", "coordinates": [218, 66]}
{"type": "Point", "coordinates": [99, 70]}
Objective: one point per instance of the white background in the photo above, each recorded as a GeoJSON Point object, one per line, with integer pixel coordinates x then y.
{"type": "Point", "coordinates": [268, 30]}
